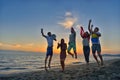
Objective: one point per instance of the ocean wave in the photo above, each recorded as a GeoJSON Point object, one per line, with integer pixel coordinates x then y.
{"type": "Point", "coordinates": [4, 62]}
{"type": "Point", "coordinates": [9, 68]}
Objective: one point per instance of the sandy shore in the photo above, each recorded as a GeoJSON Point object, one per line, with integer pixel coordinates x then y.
{"type": "Point", "coordinates": [110, 71]}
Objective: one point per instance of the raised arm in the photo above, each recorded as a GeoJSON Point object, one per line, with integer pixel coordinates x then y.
{"type": "Point", "coordinates": [89, 26]}
{"type": "Point", "coordinates": [81, 31]}
{"type": "Point", "coordinates": [42, 33]}
{"type": "Point", "coordinates": [58, 45]}
{"type": "Point", "coordinates": [55, 39]}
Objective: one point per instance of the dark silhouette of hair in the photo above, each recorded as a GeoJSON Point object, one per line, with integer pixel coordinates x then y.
{"type": "Point", "coordinates": [49, 33]}
{"type": "Point", "coordinates": [97, 28]}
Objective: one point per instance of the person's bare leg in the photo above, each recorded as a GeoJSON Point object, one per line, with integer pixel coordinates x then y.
{"type": "Point", "coordinates": [96, 58]}
{"type": "Point", "coordinates": [71, 54]}
{"type": "Point", "coordinates": [49, 65]}
{"type": "Point", "coordinates": [100, 56]}
{"type": "Point", "coordinates": [75, 54]}
{"type": "Point", "coordinates": [62, 65]}
{"type": "Point", "coordinates": [46, 62]}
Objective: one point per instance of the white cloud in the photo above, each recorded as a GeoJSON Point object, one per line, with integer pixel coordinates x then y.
{"type": "Point", "coordinates": [68, 14]}
{"type": "Point", "coordinates": [68, 20]}
{"type": "Point", "coordinates": [78, 26]}
{"type": "Point", "coordinates": [68, 23]}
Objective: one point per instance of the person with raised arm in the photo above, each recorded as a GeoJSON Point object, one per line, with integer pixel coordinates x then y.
{"type": "Point", "coordinates": [96, 47]}
{"type": "Point", "coordinates": [63, 48]}
{"type": "Point", "coordinates": [49, 52]}
{"type": "Point", "coordinates": [72, 43]}
{"type": "Point", "coordinates": [86, 48]}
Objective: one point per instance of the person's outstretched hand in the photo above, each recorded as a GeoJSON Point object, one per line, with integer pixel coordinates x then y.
{"type": "Point", "coordinates": [58, 45]}
{"type": "Point", "coordinates": [90, 20]}
{"type": "Point", "coordinates": [81, 27]}
{"type": "Point", "coordinates": [92, 26]}
{"type": "Point", "coordinates": [41, 30]}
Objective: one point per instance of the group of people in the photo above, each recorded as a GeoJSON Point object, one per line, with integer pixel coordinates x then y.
{"type": "Point", "coordinates": [93, 34]}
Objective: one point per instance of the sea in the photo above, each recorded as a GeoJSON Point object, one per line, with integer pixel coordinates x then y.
{"type": "Point", "coordinates": [12, 62]}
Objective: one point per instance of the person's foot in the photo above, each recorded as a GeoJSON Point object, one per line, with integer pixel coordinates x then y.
{"type": "Point", "coordinates": [72, 55]}
{"type": "Point", "coordinates": [75, 57]}
{"type": "Point", "coordinates": [87, 63]}
{"type": "Point", "coordinates": [102, 64]}
{"type": "Point", "coordinates": [98, 63]}
{"type": "Point", "coordinates": [61, 70]}
{"type": "Point", "coordinates": [49, 66]}
{"type": "Point", "coordinates": [46, 69]}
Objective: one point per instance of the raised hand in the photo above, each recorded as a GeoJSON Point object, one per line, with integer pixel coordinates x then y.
{"type": "Point", "coordinates": [92, 26]}
{"type": "Point", "coordinates": [43, 33]}
{"type": "Point", "coordinates": [90, 20]}
{"type": "Point", "coordinates": [89, 26]}
{"type": "Point", "coordinates": [41, 30]}
{"type": "Point", "coordinates": [58, 45]}
{"type": "Point", "coordinates": [81, 27]}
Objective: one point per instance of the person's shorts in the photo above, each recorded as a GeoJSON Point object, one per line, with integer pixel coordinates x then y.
{"type": "Point", "coordinates": [96, 47]}
{"type": "Point", "coordinates": [71, 45]}
{"type": "Point", "coordinates": [49, 51]}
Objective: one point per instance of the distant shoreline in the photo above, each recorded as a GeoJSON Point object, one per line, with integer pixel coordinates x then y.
{"type": "Point", "coordinates": [111, 70]}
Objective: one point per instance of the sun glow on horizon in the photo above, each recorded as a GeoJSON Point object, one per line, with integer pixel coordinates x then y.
{"type": "Point", "coordinates": [42, 48]}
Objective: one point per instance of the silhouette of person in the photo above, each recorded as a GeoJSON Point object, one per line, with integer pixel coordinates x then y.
{"type": "Point", "coordinates": [49, 52]}
{"type": "Point", "coordinates": [72, 43]}
{"type": "Point", "coordinates": [95, 34]}
{"type": "Point", "coordinates": [86, 48]}
{"type": "Point", "coordinates": [63, 48]}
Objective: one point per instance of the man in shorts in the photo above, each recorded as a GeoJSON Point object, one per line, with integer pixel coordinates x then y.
{"type": "Point", "coordinates": [95, 42]}
{"type": "Point", "coordinates": [72, 43]}
{"type": "Point", "coordinates": [50, 39]}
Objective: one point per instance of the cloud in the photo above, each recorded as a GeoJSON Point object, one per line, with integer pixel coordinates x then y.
{"type": "Point", "coordinates": [68, 20]}
{"type": "Point", "coordinates": [29, 44]}
{"type": "Point", "coordinates": [68, 14]}
{"type": "Point", "coordinates": [67, 23]}
{"type": "Point", "coordinates": [16, 46]}
{"type": "Point", "coordinates": [78, 26]}
{"type": "Point", "coordinates": [1, 44]}
{"type": "Point", "coordinates": [12, 45]}
{"type": "Point", "coordinates": [19, 46]}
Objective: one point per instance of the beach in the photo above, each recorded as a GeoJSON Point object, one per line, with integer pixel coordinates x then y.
{"type": "Point", "coordinates": [110, 71]}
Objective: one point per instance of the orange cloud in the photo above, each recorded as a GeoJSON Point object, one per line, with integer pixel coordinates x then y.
{"type": "Point", "coordinates": [10, 45]}
{"type": "Point", "coordinates": [1, 44]}
{"type": "Point", "coordinates": [24, 47]}
{"type": "Point", "coordinates": [17, 46]}
{"type": "Point", "coordinates": [29, 45]}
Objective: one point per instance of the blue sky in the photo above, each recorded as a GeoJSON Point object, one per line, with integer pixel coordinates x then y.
{"type": "Point", "coordinates": [21, 21]}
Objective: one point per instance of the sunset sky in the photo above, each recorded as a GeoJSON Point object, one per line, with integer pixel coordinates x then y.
{"type": "Point", "coordinates": [21, 21]}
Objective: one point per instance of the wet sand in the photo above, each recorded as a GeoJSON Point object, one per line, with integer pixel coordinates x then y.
{"type": "Point", "coordinates": [110, 71]}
